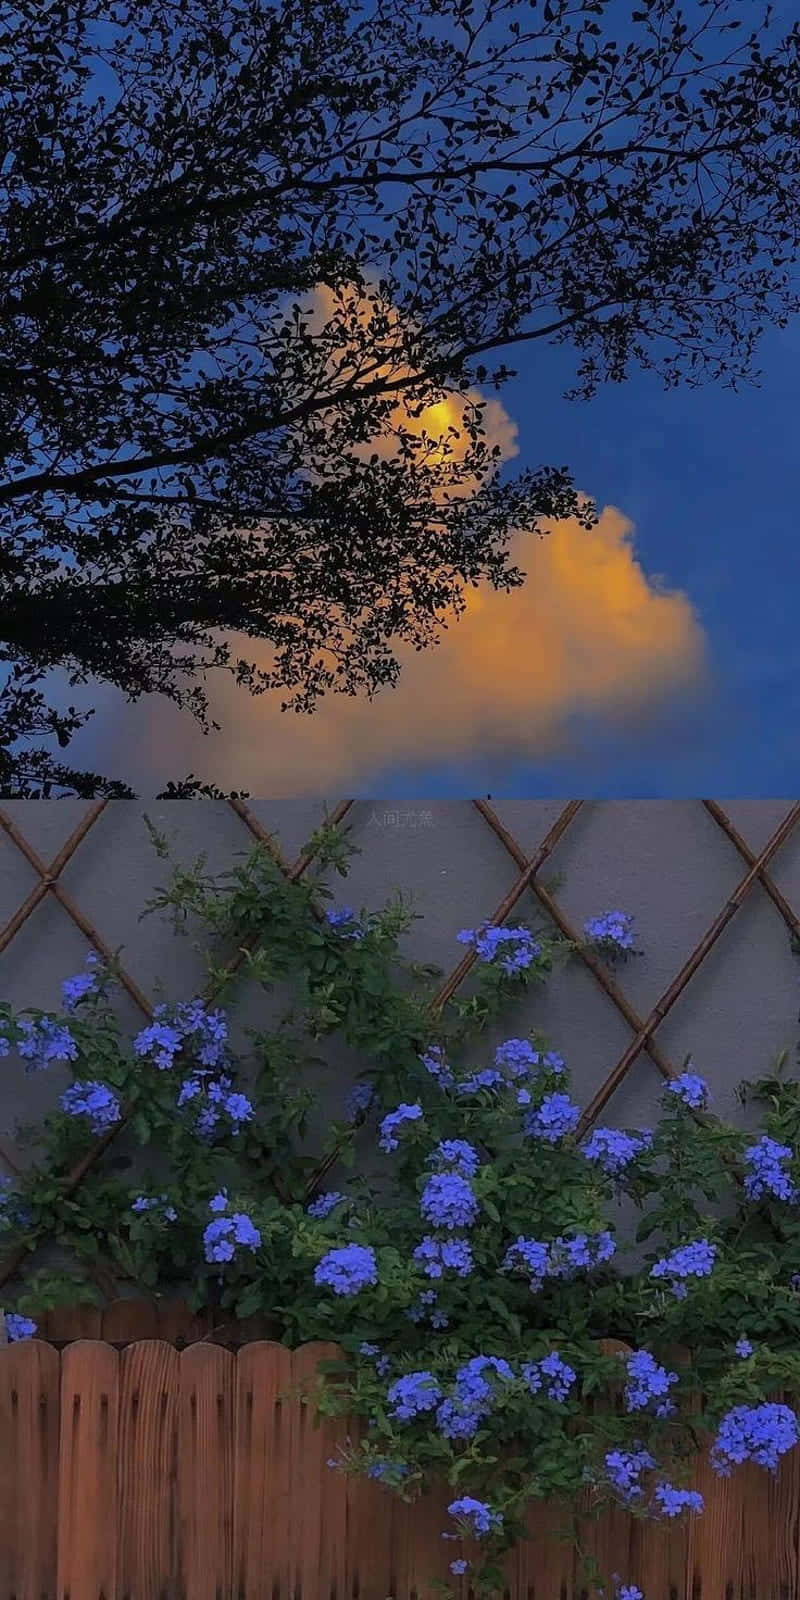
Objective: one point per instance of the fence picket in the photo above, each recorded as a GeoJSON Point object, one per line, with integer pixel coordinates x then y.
{"type": "Point", "coordinates": [87, 1472]}
{"type": "Point", "coordinates": [262, 1472]}
{"type": "Point", "coordinates": [205, 1470]}
{"type": "Point", "coordinates": [318, 1493]}
{"type": "Point", "coordinates": [30, 1376]}
{"type": "Point", "coordinates": [149, 1387]}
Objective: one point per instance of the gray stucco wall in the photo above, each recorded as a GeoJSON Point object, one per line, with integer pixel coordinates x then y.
{"type": "Point", "coordinates": [667, 862]}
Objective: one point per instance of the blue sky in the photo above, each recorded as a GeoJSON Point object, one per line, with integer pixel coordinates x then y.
{"type": "Point", "coordinates": [659, 659]}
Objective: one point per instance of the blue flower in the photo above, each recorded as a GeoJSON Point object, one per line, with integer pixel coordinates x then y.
{"type": "Point", "coordinates": [517, 1055]}
{"type": "Point", "coordinates": [755, 1433]}
{"type": "Point", "coordinates": [448, 1201]}
{"type": "Point", "coordinates": [614, 1149]}
{"type": "Point", "coordinates": [689, 1260]}
{"type": "Point", "coordinates": [487, 1078]}
{"type": "Point", "coordinates": [339, 920]}
{"type": "Point", "coordinates": [648, 1381]}
{"type": "Point", "coordinates": [767, 1177]}
{"type": "Point", "coordinates": [159, 1035]}
{"type": "Point", "coordinates": [434, 1063]}
{"type": "Point", "coordinates": [458, 1155]}
{"type": "Point", "coordinates": [672, 1502]}
{"type": "Point", "coordinates": [691, 1089]}
{"type": "Point", "coordinates": [236, 1106]}
{"type": "Point", "coordinates": [403, 1113]}
{"type": "Point", "coordinates": [555, 1117]}
{"type": "Point", "coordinates": [624, 1468]}
{"type": "Point", "coordinates": [533, 1254]}
{"type": "Point", "coordinates": [483, 1518]}
{"type": "Point", "coordinates": [323, 1204]}
{"type": "Point", "coordinates": [18, 1327]}
{"type": "Point", "coordinates": [487, 940]}
{"type": "Point", "coordinates": [73, 990]}
{"type": "Point", "coordinates": [93, 1100]}
{"type": "Point", "coordinates": [551, 1366]}
{"type": "Point", "coordinates": [417, 1391]}
{"type": "Point", "coordinates": [219, 1244]}
{"type": "Point", "coordinates": [614, 928]}
{"type": "Point", "coordinates": [569, 1254]}
{"type": "Point", "coordinates": [744, 1348]}
{"type": "Point", "coordinates": [347, 1270]}
{"type": "Point", "coordinates": [382, 1364]}
{"type": "Point", "coordinates": [45, 1041]}
{"type": "Point", "coordinates": [440, 1253]}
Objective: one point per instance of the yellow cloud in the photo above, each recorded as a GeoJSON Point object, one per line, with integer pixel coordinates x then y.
{"type": "Point", "coordinates": [588, 633]}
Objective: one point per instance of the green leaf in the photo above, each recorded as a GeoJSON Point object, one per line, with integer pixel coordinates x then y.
{"type": "Point", "coordinates": [250, 1301]}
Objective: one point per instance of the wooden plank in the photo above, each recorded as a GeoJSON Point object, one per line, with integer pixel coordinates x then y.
{"type": "Point", "coordinates": [148, 1558]}
{"type": "Point", "coordinates": [770, 1531]}
{"type": "Point", "coordinates": [429, 1555]}
{"type": "Point", "coordinates": [87, 1472]}
{"type": "Point", "coordinates": [73, 1322]}
{"type": "Point", "coordinates": [318, 1493]}
{"type": "Point", "coordinates": [542, 1567]}
{"type": "Point", "coordinates": [261, 1472]}
{"type": "Point", "coordinates": [176, 1321]}
{"type": "Point", "coordinates": [370, 1506]}
{"type": "Point", "coordinates": [205, 1471]}
{"type": "Point", "coordinates": [124, 1321]}
{"type": "Point", "coordinates": [30, 1374]}
{"type": "Point", "coordinates": [715, 1553]}
{"type": "Point", "coordinates": [660, 1549]}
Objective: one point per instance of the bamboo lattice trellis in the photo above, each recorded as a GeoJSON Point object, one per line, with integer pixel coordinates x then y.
{"type": "Point", "coordinates": [643, 1029]}
{"type": "Point", "coordinates": [283, 1528]}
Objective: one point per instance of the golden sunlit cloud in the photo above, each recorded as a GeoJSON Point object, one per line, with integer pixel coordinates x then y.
{"type": "Point", "coordinates": [588, 634]}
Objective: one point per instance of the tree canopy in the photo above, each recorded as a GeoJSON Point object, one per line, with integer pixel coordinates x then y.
{"type": "Point", "coordinates": [180, 455]}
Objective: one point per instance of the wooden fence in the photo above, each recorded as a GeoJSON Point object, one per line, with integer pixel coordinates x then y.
{"type": "Point", "coordinates": [132, 1469]}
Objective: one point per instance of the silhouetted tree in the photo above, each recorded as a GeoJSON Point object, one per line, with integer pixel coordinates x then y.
{"type": "Point", "coordinates": [178, 455]}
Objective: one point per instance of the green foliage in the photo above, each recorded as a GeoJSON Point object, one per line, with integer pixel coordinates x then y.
{"type": "Point", "coordinates": [350, 987]}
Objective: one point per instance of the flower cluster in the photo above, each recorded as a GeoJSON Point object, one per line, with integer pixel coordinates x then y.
{"type": "Point", "coordinates": [487, 940]}
{"type": "Point", "coordinates": [44, 1041]}
{"type": "Point", "coordinates": [205, 1031]}
{"type": "Point", "coordinates": [767, 1176]}
{"type": "Point", "coordinates": [648, 1381]}
{"type": "Point", "coordinates": [557, 1258]}
{"type": "Point", "coordinates": [614, 930]}
{"type": "Point", "coordinates": [614, 1150]}
{"type": "Point", "coordinates": [754, 1433]}
{"type": "Point", "coordinates": [688, 1261]}
{"type": "Point", "coordinates": [691, 1089]}
{"type": "Point", "coordinates": [347, 1270]}
{"type": "Point", "coordinates": [222, 1236]}
{"type": "Point", "coordinates": [95, 1101]}
{"type": "Point", "coordinates": [73, 990]}
{"type": "Point", "coordinates": [404, 1113]}
{"type": "Point", "coordinates": [189, 1027]}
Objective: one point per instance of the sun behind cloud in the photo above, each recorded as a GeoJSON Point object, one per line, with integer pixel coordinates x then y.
{"type": "Point", "coordinates": [588, 634]}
